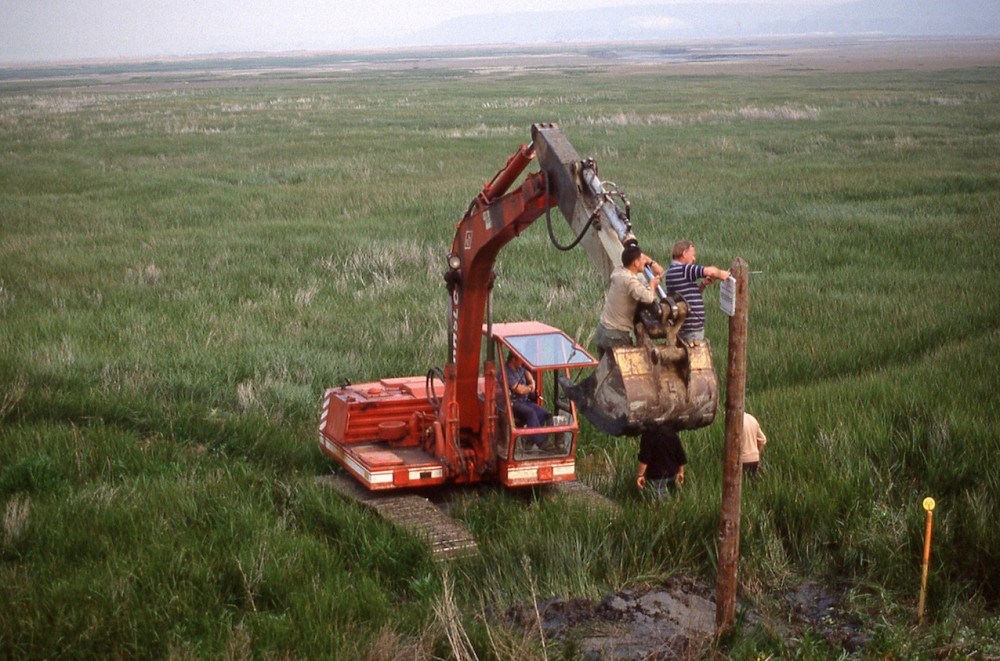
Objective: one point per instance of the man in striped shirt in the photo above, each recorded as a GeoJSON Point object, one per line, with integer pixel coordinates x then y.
{"type": "Point", "coordinates": [686, 279]}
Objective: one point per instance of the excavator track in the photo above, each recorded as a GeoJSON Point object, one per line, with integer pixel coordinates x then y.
{"type": "Point", "coordinates": [578, 492]}
{"type": "Point", "coordinates": [448, 539]}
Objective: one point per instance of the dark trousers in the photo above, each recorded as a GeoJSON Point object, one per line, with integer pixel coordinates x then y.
{"type": "Point", "coordinates": [532, 415]}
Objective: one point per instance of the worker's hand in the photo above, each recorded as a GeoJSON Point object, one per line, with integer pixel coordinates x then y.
{"type": "Point", "coordinates": [641, 482]}
{"type": "Point", "coordinates": [680, 477]}
{"type": "Point", "coordinates": [714, 273]}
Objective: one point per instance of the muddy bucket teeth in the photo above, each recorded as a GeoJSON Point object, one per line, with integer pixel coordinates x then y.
{"type": "Point", "coordinates": [629, 392]}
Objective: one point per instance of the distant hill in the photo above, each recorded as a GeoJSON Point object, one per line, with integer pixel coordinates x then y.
{"type": "Point", "coordinates": [953, 18]}
{"type": "Point", "coordinates": [950, 18]}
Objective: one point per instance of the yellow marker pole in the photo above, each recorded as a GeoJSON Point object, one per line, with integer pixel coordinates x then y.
{"type": "Point", "coordinates": [929, 506]}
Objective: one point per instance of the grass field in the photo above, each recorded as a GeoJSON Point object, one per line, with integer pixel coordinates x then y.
{"type": "Point", "coordinates": [187, 261]}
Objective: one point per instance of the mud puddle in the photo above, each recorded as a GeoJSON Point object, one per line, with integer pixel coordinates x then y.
{"type": "Point", "coordinates": [817, 607]}
{"type": "Point", "coordinates": [676, 620]}
{"type": "Point", "coordinates": [672, 621]}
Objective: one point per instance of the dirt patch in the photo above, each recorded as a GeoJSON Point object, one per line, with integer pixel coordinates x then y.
{"type": "Point", "coordinates": [676, 620]}
{"type": "Point", "coordinates": [818, 608]}
{"type": "Point", "coordinates": [672, 621]}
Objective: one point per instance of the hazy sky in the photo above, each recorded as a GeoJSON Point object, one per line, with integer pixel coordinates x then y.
{"type": "Point", "coordinates": [47, 30]}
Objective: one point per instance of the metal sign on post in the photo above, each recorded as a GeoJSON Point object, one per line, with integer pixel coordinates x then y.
{"type": "Point", "coordinates": [727, 296]}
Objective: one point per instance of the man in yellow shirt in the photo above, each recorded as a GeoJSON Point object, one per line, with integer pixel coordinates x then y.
{"type": "Point", "coordinates": [751, 443]}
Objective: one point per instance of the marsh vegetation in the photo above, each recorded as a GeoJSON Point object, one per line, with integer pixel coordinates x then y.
{"type": "Point", "coordinates": [185, 268]}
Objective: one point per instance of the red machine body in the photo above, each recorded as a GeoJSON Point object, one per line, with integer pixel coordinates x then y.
{"type": "Point", "coordinates": [390, 434]}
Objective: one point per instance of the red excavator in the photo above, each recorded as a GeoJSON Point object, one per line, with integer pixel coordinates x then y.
{"type": "Point", "coordinates": [456, 425]}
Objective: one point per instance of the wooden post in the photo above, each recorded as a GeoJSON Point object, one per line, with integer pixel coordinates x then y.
{"type": "Point", "coordinates": [732, 472]}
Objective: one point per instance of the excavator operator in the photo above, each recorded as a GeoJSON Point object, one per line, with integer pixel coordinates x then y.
{"type": "Point", "coordinates": [521, 383]}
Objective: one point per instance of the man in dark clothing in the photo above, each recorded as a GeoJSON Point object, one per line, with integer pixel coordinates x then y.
{"type": "Point", "coordinates": [661, 460]}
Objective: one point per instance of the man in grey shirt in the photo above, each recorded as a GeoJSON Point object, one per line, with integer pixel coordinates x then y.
{"type": "Point", "coordinates": [625, 292]}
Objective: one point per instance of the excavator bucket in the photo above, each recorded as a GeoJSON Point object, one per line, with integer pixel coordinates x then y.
{"type": "Point", "coordinates": [642, 387]}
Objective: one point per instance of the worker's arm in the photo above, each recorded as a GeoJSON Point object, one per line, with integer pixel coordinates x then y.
{"type": "Point", "coordinates": [521, 389]}
{"type": "Point", "coordinates": [642, 292]}
{"type": "Point", "coordinates": [654, 266]}
{"type": "Point", "coordinates": [713, 273]}
{"type": "Point", "coordinates": [526, 386]}
{"type": "Point", "coordinates": [651, 267]}
{"type": "Point", "coordinates": [640, 479]}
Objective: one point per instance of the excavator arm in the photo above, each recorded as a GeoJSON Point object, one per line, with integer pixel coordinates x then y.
{"type": "Point", "coordinates": [497, 215]}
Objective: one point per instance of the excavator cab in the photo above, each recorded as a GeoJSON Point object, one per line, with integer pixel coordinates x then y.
{"type": "Point", "coordinates": [526, 454]}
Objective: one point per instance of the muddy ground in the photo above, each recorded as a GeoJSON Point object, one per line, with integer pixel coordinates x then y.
{"type": "Point", "coordinates": [676, 620]}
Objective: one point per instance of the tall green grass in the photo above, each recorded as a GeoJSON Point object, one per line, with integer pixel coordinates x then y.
{"type": "Point", "coordinates": [184, 269]}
